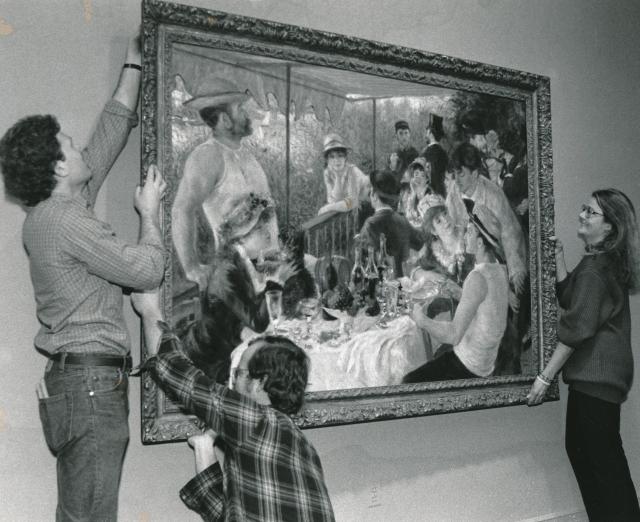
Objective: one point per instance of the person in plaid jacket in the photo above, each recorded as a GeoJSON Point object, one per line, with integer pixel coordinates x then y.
{"type": "Point", "coordinates": [270, 471]}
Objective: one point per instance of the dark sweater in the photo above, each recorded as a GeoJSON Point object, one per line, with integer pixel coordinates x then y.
{"type": "Point", "coordinates": [596, 323]}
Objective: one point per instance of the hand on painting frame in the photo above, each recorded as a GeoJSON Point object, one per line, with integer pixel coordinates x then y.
{"type": "Point", "coordinates": [148, 196]}
{"type": "Point", "coordinates": [538, 391]}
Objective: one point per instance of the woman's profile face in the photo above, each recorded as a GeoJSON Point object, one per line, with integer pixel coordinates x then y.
{"type": "Point", "coordinates": [441, 224]}
{"type": "Point", "coordinates": [336, 160]}
{"type": "Point", "coordinates": [592, 227]}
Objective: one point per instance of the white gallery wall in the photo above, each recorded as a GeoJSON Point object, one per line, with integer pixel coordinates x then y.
{"type": "Point", "coordinates": [63, 57]}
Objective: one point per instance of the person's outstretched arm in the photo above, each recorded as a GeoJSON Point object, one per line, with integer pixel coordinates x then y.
{"type": "Point", "coordinates": [128, 88]}
{"type": "Point", "coordinates": [116, 121]}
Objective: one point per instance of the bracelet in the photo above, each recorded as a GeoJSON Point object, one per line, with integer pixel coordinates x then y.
{"type": "Point", "coordinates": [132, 66]}
{"type": "Point", "coordinates": [543, 379]}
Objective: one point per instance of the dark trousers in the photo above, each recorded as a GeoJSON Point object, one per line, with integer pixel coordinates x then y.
{"type": "Point", "coordinates": [594, 448]}
{"type": "Point", "coordinates": [443, 368]}
{"type": "Point", "coordinates": [85, 423]}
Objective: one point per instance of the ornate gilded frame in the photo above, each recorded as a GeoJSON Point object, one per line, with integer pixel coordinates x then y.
{"type": "Point", "coordinates": [165, 24]}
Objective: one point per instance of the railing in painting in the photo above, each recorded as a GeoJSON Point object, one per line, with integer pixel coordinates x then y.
{"type": "Point", "coordinates": [331, 233]}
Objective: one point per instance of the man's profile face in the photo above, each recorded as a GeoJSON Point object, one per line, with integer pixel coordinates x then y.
{"type": "Point", "coordinates": [73, 162]}
{"type": "Point", "coordinates": [241, 123]}
{"type": "Point", "coordinates": [404, 137]}
{"type": "Point", "coordinates": [466, 180]}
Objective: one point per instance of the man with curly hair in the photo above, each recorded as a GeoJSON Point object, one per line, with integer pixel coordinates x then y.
{"type": "Point", "coordinates": [269, 469]}
{"type": "Point", "coordinates": [78, 269]}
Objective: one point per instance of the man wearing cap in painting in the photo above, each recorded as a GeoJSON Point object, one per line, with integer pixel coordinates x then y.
{"type": "Point", "coordinates": [215, 172]}
{"type": "Point", "coordinates": [404, 154]}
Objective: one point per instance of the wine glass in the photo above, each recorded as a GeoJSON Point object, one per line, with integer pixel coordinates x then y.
{"type": "Point", "coordinates": [391, 297]}
{"type": "Point", "coordinates": [309, 307]}
{"type": "Point", "coordinates": [273, 299]}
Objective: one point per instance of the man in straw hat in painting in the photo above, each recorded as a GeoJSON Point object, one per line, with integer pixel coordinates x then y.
{"type": "Point", "coordinates": [215, 172]}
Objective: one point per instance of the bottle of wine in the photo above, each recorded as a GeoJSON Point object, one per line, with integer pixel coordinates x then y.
{"type": "Point", "coordinates": [356, 281]}
{"type": "Point", "coordinates": [385, 262]}
{"type": "Point", "coordinates": [371, 273]}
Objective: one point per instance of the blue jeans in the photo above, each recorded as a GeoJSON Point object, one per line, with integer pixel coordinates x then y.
{"type": "Point", "coordinates": [85, 423]}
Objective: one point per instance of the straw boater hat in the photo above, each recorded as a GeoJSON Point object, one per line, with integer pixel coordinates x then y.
{"type": "Point", "coordinates": [487, 224]}
{"type": "Point", "coordinates": [333, 141]}
{"type": "Point", "coordinates": [213, 91]}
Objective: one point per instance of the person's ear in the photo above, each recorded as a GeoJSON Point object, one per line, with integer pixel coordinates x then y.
{"type": "Point", "coordinates": [226, 121]}
{"type": "Point", "coordinates": [259, 393]}
{"type": "Point", "coordinates": [607, 227]}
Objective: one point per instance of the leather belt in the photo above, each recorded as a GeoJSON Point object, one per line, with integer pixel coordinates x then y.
{"type": "Point", "coordinates": [90, 359]}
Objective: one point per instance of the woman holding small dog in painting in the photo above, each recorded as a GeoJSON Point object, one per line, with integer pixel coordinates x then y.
{"type": "Point", "coordinates": [594, 353]}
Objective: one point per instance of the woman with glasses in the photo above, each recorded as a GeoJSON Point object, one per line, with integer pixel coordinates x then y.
{"type": "Point", "coordinates": [594, 352]}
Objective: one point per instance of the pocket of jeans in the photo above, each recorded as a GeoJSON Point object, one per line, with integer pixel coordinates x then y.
{"type": "Point", "coordinates": [55, 419]}
{"type": "Point", "coordinates": [107, 381]}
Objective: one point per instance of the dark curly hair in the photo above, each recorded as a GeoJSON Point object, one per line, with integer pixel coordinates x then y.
{"type": "Point", "coordinates": [28, 154]}
{"type": "Point", "coordinates": [465, 155]}
{"type": "Point", "coordinates": [286, 368]}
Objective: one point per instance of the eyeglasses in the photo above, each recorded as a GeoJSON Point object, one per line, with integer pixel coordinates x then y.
{"type": "Point", "coordinates": [589, 212]}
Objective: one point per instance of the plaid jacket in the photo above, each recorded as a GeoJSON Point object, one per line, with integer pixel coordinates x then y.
{"type": "Point", "coordinates": [271, 471]}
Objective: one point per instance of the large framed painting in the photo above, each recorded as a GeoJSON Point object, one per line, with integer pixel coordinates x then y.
{"type": "Point", "coordinates": [338, 191]}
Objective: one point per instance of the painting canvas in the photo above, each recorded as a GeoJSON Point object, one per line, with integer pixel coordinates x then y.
{"type": "Point", "coordinates": [271, 138]}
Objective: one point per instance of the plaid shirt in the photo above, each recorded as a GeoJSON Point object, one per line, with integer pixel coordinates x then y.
{"type": "Point", "coordinates": [77, 264]}
{"type": "Point", "coordinates": [204, 494]}
{"type": "Point", "coordinates": [271, 471]}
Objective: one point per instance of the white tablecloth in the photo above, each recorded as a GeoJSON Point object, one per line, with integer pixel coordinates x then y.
{"type": "Point", "coordinates": [371, 356]}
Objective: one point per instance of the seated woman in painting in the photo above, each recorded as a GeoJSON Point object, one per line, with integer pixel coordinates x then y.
{"type": "Point", "coordinates": [481, 316]}
{"type": "Point", "coordinates": [443, 259]}
{"type": "Point", "coordinates": [420, 196]}
{"type": "Point", "coordinates": [242, 270]}
{"type": "Point", "coordinates": [347, 186]}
